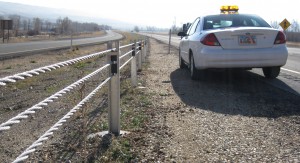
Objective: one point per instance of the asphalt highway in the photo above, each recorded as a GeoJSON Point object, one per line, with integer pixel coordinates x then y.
{"type": "Point", "coordinates": [288, 80]}
{"type": "Point", "coordinates": [17, 49]}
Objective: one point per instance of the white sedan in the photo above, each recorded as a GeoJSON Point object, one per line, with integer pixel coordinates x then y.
{"type": "Point", "coordinates": [232, 41]}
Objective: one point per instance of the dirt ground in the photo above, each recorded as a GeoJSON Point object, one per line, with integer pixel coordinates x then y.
{"type": "Point", "coordinates": [228, 117]}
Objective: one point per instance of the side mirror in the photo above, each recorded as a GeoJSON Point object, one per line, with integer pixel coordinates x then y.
{"type": "Point", "coordinates": [182, 34]}
{"type": "Point", "coordinates": [184, 27]}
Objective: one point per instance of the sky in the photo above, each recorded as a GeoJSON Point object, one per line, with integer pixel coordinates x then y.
{"type": "Point", "coordinates": [164, 13]}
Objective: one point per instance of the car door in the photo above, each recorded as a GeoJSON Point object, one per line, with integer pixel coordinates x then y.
{"type": "Point", "coordinates": [185, 41]}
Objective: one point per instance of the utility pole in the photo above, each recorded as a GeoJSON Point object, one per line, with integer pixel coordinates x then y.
{"type": "Point", "coordinates": [175, 21]}
{"type": "Point", "coordinates": [169, 41]}
{"type": "Point", "coordinates": [71, 39]}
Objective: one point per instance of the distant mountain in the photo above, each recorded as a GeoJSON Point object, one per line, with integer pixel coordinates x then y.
{"type": "Point", "coordinates": [51, 14]}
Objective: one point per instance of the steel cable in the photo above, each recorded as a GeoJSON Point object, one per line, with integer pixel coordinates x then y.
{"type": "Point", "coordinates": [24, 114]}
{"type": "Point", "coordinates": [37, 71]}
{"type": "Point", "coordinates": [126, 63]}
{"type": "Point", "coordinates": [56, 126]}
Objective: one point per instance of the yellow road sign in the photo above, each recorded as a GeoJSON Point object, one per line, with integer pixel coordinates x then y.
{"type": "Point", "coordinates": [285, 24]}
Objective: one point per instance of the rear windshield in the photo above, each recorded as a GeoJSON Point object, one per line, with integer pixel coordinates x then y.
{"type": "Point", "coordinates": [233, 20]}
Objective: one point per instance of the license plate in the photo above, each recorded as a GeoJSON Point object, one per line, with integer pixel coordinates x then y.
{"type": "Point", "coordinates": [247, 40]}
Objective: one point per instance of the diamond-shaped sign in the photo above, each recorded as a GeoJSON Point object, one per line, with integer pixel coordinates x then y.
{"type": "Point", "coordinates": [285, 24]}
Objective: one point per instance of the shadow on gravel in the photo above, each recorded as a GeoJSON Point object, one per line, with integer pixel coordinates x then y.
{"type": "Point", "coordinates": [235, 92]}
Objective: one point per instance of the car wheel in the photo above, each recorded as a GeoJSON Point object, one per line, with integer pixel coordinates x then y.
{"type": "Point", "coordinates": [271, 72]}
{"type": "Point", "coordinates": [194, 72]}
{"type": "Point", "coordinates": [181, 62]}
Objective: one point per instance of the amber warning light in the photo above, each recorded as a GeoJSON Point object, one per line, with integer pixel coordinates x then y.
{"type": "Point", "coordinates": [229, 9]}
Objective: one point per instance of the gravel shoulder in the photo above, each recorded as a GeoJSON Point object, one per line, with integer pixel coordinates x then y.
{"type": "Point", "coordinates": [229, 116]}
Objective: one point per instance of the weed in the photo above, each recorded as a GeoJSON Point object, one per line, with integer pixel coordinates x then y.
{"type": "Point", "coordinates": [120, 151]}
{"type": "Point", "coordinates": [104, 126]}
{"type": "Point", "coordinates": [80, 65]}
{"type": "Point", "coordinates": [8, 67]}
{"type": "Point", "coordinates": [138, 121]}
{"type": "Point", "coordinates": [144, 100]}
{"type": "Point", "coordinates": [125, 143]}
{"type": "Point", "coordinates": [163, 94]}
{"type": "Point", "coordinates": [51, 89]}
{"type": "Point", "coordinates": [24, 84]}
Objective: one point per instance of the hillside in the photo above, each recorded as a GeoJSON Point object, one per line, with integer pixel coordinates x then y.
{"type": "Point", "coordinates": [51, 14]}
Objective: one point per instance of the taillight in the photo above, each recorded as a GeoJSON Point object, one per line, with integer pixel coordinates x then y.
{"type": "Point", "coordinates": [280, 38]}
{"type": "Point", "coordinates": [210, 40]}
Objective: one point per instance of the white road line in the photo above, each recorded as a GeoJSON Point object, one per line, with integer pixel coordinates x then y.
{"type": "Point", "coordinates": [296, 72]}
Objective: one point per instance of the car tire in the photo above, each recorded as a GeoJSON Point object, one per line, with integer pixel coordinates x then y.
{"type": "Point", "coordinates": [181, 62]}
{"type": "Point", "coordinates": [193, 71]}
{"type": "Point", "coordinates": [271, 72]}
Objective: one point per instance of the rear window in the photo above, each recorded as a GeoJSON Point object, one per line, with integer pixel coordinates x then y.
{"type": "Point", "coordinates": [233, 20]}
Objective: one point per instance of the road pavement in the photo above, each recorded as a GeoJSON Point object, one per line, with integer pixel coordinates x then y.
{"type": "Point", "coordinates": [17, 49]}
{"type": "Point", "coordinates": [288, 80]}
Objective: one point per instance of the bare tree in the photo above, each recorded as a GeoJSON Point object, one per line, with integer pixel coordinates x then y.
{"type": "Point", "coordinates": [66, 25]}
{"type": "Point", "coordinates": [87, 27]}
{"type": "Point", "coordinates": [105, 27]}
{"type": "Point", "coordinates": [1, 32]}
{"type": "Point", "coordinates": [294, 26]}
{"type": "Point", "coordinates": [16, 23]}
{"type": "Point", "coordinates": [136, 29]}
{"type": "Point", "coordinates": [48, 25]}
{"type": "Point", "coordinates": [36, 25]}
{"type": "Point", "coordinates": [25, 25]}
{"type": "Point", "coordinates": [29, 25]}
{"type": "Point", "coordinates": [275, 24]}
{"type": "Point", "coordinates": [174, 29]}
{"type": "Point", "coordinates": [75, 26]}
{"type": "Point", "coordinates": [59, 25]}
{"type": "Point", "coordinates": [41, 25]}
{"type": "Point", "coordinates": [151, 28]}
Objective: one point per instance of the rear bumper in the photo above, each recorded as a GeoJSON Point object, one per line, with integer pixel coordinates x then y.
{"type": "Point", "coordinates": [217, 57]}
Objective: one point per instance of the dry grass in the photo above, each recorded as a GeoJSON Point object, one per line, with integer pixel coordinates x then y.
{"type": "Point", "coordinates": [60, 37]}
{"type": "Point", "coordinates": [20, 64]}
{"type": "Point", "coordinates": [130, 37]}
{"type": "Point", "coordinates": [293, 44]}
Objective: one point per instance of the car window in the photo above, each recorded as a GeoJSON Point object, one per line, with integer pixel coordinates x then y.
{"type": "Point", "coordinates": [199, 25]}
{"type": "Point", "coordinates": [233, 20]}
{"type": "Point", "coordinates": [192, 29]}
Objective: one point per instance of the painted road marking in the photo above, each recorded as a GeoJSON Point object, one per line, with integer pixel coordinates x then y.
{"type": "Point", "coordinates": [296, 72]}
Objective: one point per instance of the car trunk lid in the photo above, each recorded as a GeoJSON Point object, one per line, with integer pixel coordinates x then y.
{"type": "Point", "coordinates": [246, 37]}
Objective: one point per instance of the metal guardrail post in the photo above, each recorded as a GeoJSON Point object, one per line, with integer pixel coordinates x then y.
{"type": "Point", "coordinates": [109, 45]}
{"type": "Point", "coordinates": [146, 45]}
{"type": "Point", "coordinates": [143, 50]}
{"type": "Point", "coordinates": [170, 41]}
{"type": "Point", "coordinates": [71, 47]}
{"type": "Point", "coordinates": [140, 57]}
{"type": "Point", "coordinates": [133, 66]}
{"type": "Point", "coordinates": [114, 92]}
